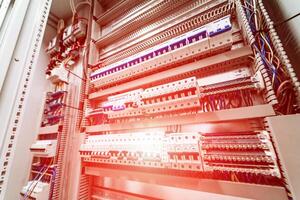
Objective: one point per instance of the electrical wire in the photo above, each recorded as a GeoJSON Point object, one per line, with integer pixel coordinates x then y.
{"type": "Point", "coordinates": [36, 177]}
{"type": "Point", "coordinates": [85, 53]}
{"type": "Point", "coordinates": [286, 20]}
{"type": "Point", "coordinates": [36, 182]}
{"type": "Point", "coordinates": [71, 2]}
{"type": "Point", "coordinates": [262, 46]}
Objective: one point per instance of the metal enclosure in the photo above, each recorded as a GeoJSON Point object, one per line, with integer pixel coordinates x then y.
{"type": "Point", "coordinates": [133, 99]}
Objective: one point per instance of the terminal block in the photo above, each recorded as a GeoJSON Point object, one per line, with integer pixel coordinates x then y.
{"type": "Point", "coordinates": [58, 74]}
{"type": "Point", "coordinates": [44, 148]}
{"type": "Point", "coordinates": [96, 116]}
{"type": "Point", "coordinates": [54, 107]}
{"type": "Point", "coordinates": [54, 47]}
{"type": "Point", "coordinates": [245, 152]}
{"type": "Point", "coordinates": [74, 33]}
{"type": "Point", "coordinates": [183, 151]}
{"type": "Point", "coordinates": [174, 96]}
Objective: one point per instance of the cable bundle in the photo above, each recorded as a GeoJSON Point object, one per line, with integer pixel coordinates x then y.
{"type": "Point", "coordinates": [227, 100]}
{"type": "Point", "coordinates": [281, 81]}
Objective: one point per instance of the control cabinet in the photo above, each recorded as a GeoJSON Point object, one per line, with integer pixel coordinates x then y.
{"type": "Point", "coordinates": [165, 99]}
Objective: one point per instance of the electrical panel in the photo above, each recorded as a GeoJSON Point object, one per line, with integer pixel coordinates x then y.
{"type": "Point", "coordinates": [176, 100]}
{"type": "Point", "coordinates": [159, 99]}
{"type": "Point", "coordinates": [44, 148]}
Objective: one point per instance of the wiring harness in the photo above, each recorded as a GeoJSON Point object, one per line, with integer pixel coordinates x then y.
{"type": "Point", "coordinates": [280, 79]}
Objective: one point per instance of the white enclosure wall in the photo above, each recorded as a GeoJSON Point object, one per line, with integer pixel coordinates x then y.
{"type": "Point", "coordinates": [23, 89]}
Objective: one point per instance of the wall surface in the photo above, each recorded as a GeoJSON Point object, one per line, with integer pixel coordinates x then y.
{"type": "Point", "coordinates": [289, 32]}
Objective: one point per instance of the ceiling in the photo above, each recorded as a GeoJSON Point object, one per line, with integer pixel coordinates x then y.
{"type": "Point", "coordinates": [106, 4]}
{"type": "Point", "coordinates": [61, 9]}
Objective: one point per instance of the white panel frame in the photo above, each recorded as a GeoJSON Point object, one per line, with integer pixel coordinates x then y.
{"type": "Point", "coordinates": [18, 98]}
{"type": "Point", "coordinates": [11, 34]}
{"type": "Point", "coordinates": [285, 133]}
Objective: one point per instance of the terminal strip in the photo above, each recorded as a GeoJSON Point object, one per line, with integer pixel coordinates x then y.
{"type": "Point", "coordinates": [203, 40]}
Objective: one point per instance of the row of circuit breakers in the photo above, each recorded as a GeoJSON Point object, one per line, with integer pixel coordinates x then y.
{"type": "Point", "coordinates": [205, 39]}
{"type": "Point", "coordinates": [240, 152]}
{"type": "Point", "coordinates": [236, 89]}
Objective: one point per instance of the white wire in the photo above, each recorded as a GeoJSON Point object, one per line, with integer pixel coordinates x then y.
{"type": "Point", "coordinates": [32, 189]}
{"type": "Point", "coordinates": [71, 2]}
{"type": "Point", "coordinates": [255, 17]}
{"type": "Point", "coordinates": [37, 177]}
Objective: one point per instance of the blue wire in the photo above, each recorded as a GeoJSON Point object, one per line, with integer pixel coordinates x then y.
{"type": "Point", "coordinates": [263, 46]}
{"type": "Point", "coordinates": [270, 67]}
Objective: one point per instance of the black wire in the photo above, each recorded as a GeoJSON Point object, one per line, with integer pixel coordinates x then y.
{"type": "Point", "coordinates": [72, 107]}
{"type": "Point", "coordinates": [76, 75]}
{"type": "Point", "coordinates": [286, 20]}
